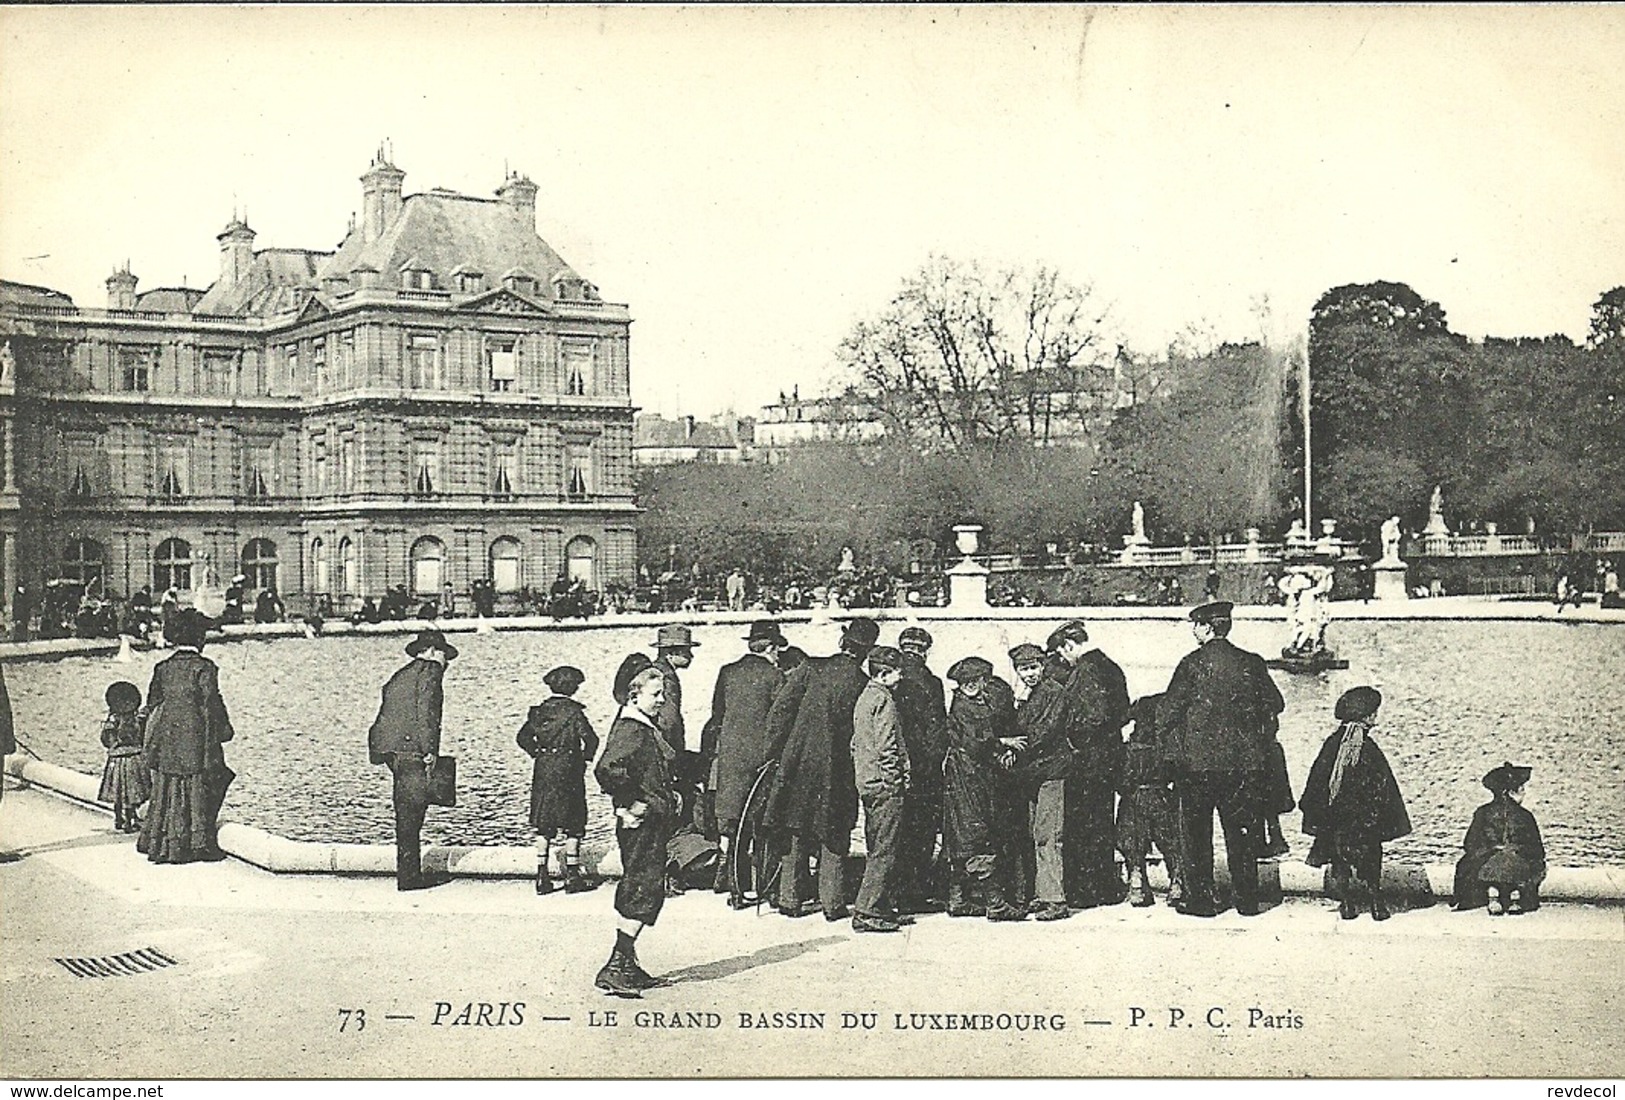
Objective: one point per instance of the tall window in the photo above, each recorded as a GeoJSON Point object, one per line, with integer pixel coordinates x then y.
{"type": "Point", "coordinates": [293, 366]}
{"type": "Point", "coordinates": [347, 463]}
{"type": "Point", "coordinates": [578, 471]}
{"type": "Point", "coordinates": [428, 566]}
{"type": "Point", "coordinates": [505, 565]}
{"type": "Point", "coordinates": [500, 357]}
{"type": "Point", "coordinates": [318, 463]}
{"type": "Point", "coordinates": [259, 471]}
{"type": "Point", "coordinates": [318, 356]}
{"type": "Point", "coordinates": [84, 560]}
{"type": "Point", "coordinates": [259, 563]}
{"type": "Point", "coordinates": [577, 370]}
{"type": "Point", "coordinates": [504, 468]}
{"type": "Point", "coordinates": [172, 565]}
{"type": "Point", "coordinates": [422, 355]}
{"type": "Point", "coordinates": [347, 367]}
{"type": "Point", "coordinates": [135, 368]}
{"type": "Point", "coordinates": [318, 555]}
{"type": "Point", "coordinates": [220, 371]}
{"type": "Point", "coordinates": [581, 561]}
{"type": "Point", "coordinates": [172, 470]}
{"type": "Point", "coordinates": [79, 485]}
{"type": "Point", "coordinates": [349, 567]}
{"type": "Point", "coordinates": [425, 467]}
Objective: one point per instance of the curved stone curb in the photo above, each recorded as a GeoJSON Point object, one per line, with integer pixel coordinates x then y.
{"type": "Point", "coordinates": [283, 856]}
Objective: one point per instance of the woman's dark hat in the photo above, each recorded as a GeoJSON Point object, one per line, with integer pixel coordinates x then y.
{"type": "Point", "coordinates": [765, 630]}
{"type": "Point", "coordinates": [189, 628]}
{"type": "Point", "coordinates": [123, 697]}
{"type": "Point", "coordinates": [1206, 613]}
{"type": "Point", "coordinates": [1508, 777]}
{"type": "Point", "coordinates": [1358, 704]}
{"type": "Point", "coordinates": [430, 639]}
{"type": "Point", "coordinates": [970, 668]}
{"type": "Point", "coordinates": [565, 679]}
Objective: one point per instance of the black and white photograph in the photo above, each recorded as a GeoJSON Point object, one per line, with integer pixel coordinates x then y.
{"type": "Point", "coordinates": [741, 542]}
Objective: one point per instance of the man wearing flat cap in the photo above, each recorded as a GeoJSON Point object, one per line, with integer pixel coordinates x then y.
{"type": "Point", "coordinates": [922, 713]}
{"type": "Point", "coordinates": [1044, 766]}
{"type": "Point", "coordinates": [813, 803]}
{"type": "Point", "coordinates": [1092, 711]}
{"type": "Point", "coordinates": [405, 737]}
{"type": "Point", "coordinates": [734, 739]}
{"type": "Point", "coordinates": [1216, 717]}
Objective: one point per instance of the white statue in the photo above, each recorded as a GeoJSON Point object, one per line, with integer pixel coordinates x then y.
{"type": "Point", "coordinates": [8, 361]}
{"type": "Point", "coordinates": [1139, 523]}
{"type": "Point", "coordinates": [1390, 540]}
{"type": "Point", "coordinates": [1307, 590]}
{"type": "Point", "coordinates": [1436, 525]}
{"type": "Point", "coordinates": [848, 563]}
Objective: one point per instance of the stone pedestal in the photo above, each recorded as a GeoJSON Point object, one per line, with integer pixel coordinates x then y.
{"type": "Point", "coordinates": [1134, 548]}
{"type": "Point", "coordinates": [1388, 581]}
{"type": "Point", "coordinates": [967, 586]}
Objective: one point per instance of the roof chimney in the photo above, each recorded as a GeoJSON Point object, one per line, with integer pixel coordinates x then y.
{"type": "Point", "coordinates": [236, 252]}
{"type": "Point", "coordinates": [121, 288]}
{"type": "Point", "coordinates": [519, 192]}
{"type": "Point", "coordinates": [380, 196]}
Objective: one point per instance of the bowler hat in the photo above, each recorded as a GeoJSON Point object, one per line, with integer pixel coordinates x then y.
{"type": "Point", "coordinates": [1074, 631]}
{"type": "Point", "coordinates": [884, 656]}
{"type": "Point", "coordinates": [430, 639]}
{"type": "Point", "coordinates": [123, 697]}
{"type": "Point", "coordinates": [970, 668]}
{"type": "Point", "coordinates": [1358, 703]}
{"type": "Point", "coordinates": [765, 630]}
{"type": "Point", "coordinates": [861, 631]}
{"type": "Point", "coordinates": [914, 635]}
{"type": "Point", "coordinates": [564, 679]}
{"type": "Point", "coordinates": [1206, 613]}
{"type": "Point", "coordinates": [1508, 777]}
{"type": "Point", "coordinates": [1026, 654]}
{"type": "Point", "coordinates": [674, 637]}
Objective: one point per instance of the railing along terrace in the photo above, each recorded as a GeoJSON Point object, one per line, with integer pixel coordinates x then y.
{"type": "Point", "coordinates": [1478, 546]}
{"type": "Point", "coordinates": [1605, 542]}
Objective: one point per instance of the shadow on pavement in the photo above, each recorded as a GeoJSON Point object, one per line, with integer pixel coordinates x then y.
{"type": "Point", "coordinates": [738, 964]}
{"type": "Point", "coordinates": [95, 840]}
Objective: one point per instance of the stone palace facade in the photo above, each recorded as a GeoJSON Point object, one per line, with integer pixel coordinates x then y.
{"type": "Point", "coordinates": [440, 399]}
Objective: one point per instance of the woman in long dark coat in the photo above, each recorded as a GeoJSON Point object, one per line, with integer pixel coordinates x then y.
{"type": "Point", "coordinates": [636, 771]}
{"type": "Point", "coordinates": [1351, 804]}
{"type": "Point", "coordinates": [1503, 859]}
{"type": "Point", "coordinates": [187, 724]}
{"type": "Point", "coordinates": [982, 711]}
{"type": "Point", "coordinates": [559, 738]}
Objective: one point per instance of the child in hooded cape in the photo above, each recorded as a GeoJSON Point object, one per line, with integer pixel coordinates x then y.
{"type": "Point", "coordinates": [1503, 859]}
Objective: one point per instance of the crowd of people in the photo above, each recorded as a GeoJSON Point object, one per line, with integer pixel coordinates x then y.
{"type": "Point", "coordinates": [1003, 799]}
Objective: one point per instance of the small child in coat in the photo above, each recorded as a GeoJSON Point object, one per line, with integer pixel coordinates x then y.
{"type": "Point", "coordinates": [126, 782]}
{"type": "Point", "coordinates": [1504, 859]}
{"type": "Point", "coordinates": [559, 738]}
{"type": "Point", "coordinates": [1351, 804]}
{"type": "Point", "coordinates": [1148, 813]}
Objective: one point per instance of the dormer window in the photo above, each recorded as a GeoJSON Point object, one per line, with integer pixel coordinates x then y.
{"type": "Point", "coordinates": [467, 280]}
{"type": "Point", "coordinates": [520, 281]}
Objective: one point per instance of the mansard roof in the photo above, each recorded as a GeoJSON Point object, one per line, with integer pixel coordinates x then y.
{"type": "Point", "coordinates": [442, 230]}
{"type": "Point", "coordinates": [276, 281]}
{"type": "Point", "coordinates": [27, 294]}
{"type": "Point", "coordinates": [169, 299]}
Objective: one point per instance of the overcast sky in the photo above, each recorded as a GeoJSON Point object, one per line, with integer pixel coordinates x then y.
{"type": "Point", "coordinates": [751, 180]}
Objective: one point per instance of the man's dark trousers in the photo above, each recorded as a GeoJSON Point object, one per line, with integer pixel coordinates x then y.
{"type": "Point", "coordinates": [1089, 848]}
{"type": "Point", "coordinates": [882, 818]}
{"type": "Point", "coordinates": [1236, 797]}
{"type": "Point", "coordinates": [411, 797]}
{"type": "Point", "coordinates": [917, 878]}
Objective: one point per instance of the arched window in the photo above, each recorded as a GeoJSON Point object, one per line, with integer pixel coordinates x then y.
{"type": "Point", "coordinates": [172, 565]}
{"type": "Point", "coordinates": [428, 566]}
{"type": "Point", "coordinates": [318, 555]}
{"type": "Point", "coordinates": [505, 565]}
{"type": "Point", "coordinates": [84, 560]}
{"type": "Point", "coordinates": [349, 568]}
{"type": "Point", "coordinates": [581, 561]}
{"type": "Point", "coordinates": [259, 563]}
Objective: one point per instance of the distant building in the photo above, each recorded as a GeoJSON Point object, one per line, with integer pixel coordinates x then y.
{"type": "Point", "coordinates": [439, 399]}
{"type": "Point", "coordinates": [657, 441]}
{"type": "Point", "coordinates": [796, 421]}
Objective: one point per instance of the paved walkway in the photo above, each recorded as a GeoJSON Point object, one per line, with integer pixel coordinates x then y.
{"type": "Point", "coordinates": [265, 967]}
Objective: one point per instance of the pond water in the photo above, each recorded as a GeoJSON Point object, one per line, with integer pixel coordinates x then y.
{"type": "Point", "coordinates": [1461, 697]}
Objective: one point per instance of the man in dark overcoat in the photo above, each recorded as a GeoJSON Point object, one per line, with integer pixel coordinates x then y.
{"type": "Point", "coordinates": [922, 712]}
{"type": "Point", "coordinates": [1093, 711]}
{"type": "Point", "coordinates": [735, 739]}
{"type": "Point", "coordinates": [1215, 718]}
{"type": "Point", "coordinates": [405, 737]}
{"type": "Point", "coordinates": [813, 803]}
{"type": "Point", "coordinates": [674, 649]}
